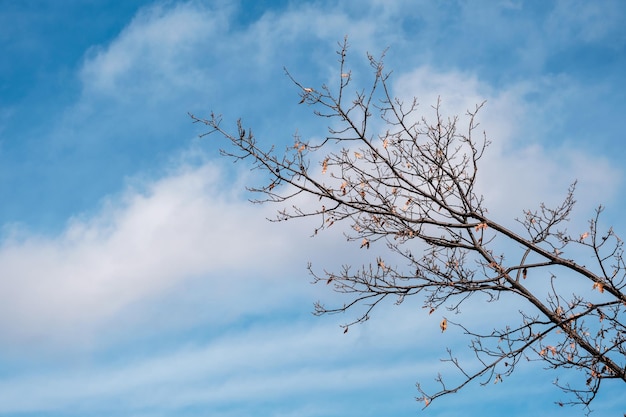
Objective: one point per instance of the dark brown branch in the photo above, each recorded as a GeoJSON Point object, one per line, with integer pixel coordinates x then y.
{"type": "Point", "coordinates": [413, 187]}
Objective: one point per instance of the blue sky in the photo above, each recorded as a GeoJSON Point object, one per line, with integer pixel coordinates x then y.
{"type": "Point", "coordinates": [137, 280]}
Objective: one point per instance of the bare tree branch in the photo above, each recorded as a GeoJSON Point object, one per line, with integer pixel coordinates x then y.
{"type": "Point", "coordinates": [413, 187]}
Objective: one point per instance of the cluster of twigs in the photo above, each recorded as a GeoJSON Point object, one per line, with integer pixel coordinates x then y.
{"type": "Point", "coordinates": [413, 187]}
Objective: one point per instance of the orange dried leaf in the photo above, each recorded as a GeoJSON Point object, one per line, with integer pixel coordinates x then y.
{"type": "Point", "coordinates": [426, 402]}
{"type": "Point", "coordinates": [599, 286]}
{"type": "Point", "coordinates": [584, 235]}
{"type": "Point", "coordinates": [480, 226]}
{"type": "Point", "coordinates": [365, 243]}
{"type": "Point", "coordinates": [443, 325]}
{"type": "Point", "coordinates": [324, 166]}
{"type": "Point", "coordinates": [381, 263]}
{"type": "Point", "coordinates": [385, 143]}
{"type": "Point", "coordinates": [358, 155]}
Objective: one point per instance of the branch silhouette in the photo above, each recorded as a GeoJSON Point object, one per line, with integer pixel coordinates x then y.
{"type": "Point", "coordinates": [412, 186]}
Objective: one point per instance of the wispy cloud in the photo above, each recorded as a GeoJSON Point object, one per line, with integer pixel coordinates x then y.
{"type": "Point", "coordinates": [142, 242]}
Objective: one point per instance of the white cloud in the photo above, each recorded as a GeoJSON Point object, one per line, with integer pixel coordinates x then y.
{"type": "Point", "coordinates": [153, 52]}
{"type": "Point", "coordinates": [517, 172]}
{"type": "Point", "coordinates": [575, 21]}
{"type": "Point", "coordinates": [141, 244]}
{"type": "Point", "coordinates": [267, 363]}
{"type": "Point", "coordinates": [296, 364]}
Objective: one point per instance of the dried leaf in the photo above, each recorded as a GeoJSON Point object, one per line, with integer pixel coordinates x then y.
{"type": "Point", "coordinates": [358, 155]}
{"type": "Point", "coordinates": [324, 166]}
{"type": "Point", "coordinates": [426, 402]}
{"type": "Point", "coordinates": [329, 280]}
{"type": "Point", "coordinates": [343, 187]}
{"type": "Point", "coordinates": [345, 75]}
{"type": "Point", "coordinates": [365, 243]}
{"type": "Point", "coordinates": [584, 235]}
{"type": "Point", "coordinates": [385, 143]}
{"type": "Point", "coordinates": [443, 325]}
{"type": "Point", "coordinates": [481, 226]}
{"type": "Point", "coordinates": [524, 273]}
{"type": "Point", "coordinates": [381, 263]}
{"type": "Point", "coordinates": [308, 90]}
{"type": "Point", "coordinates": [599, 286]}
